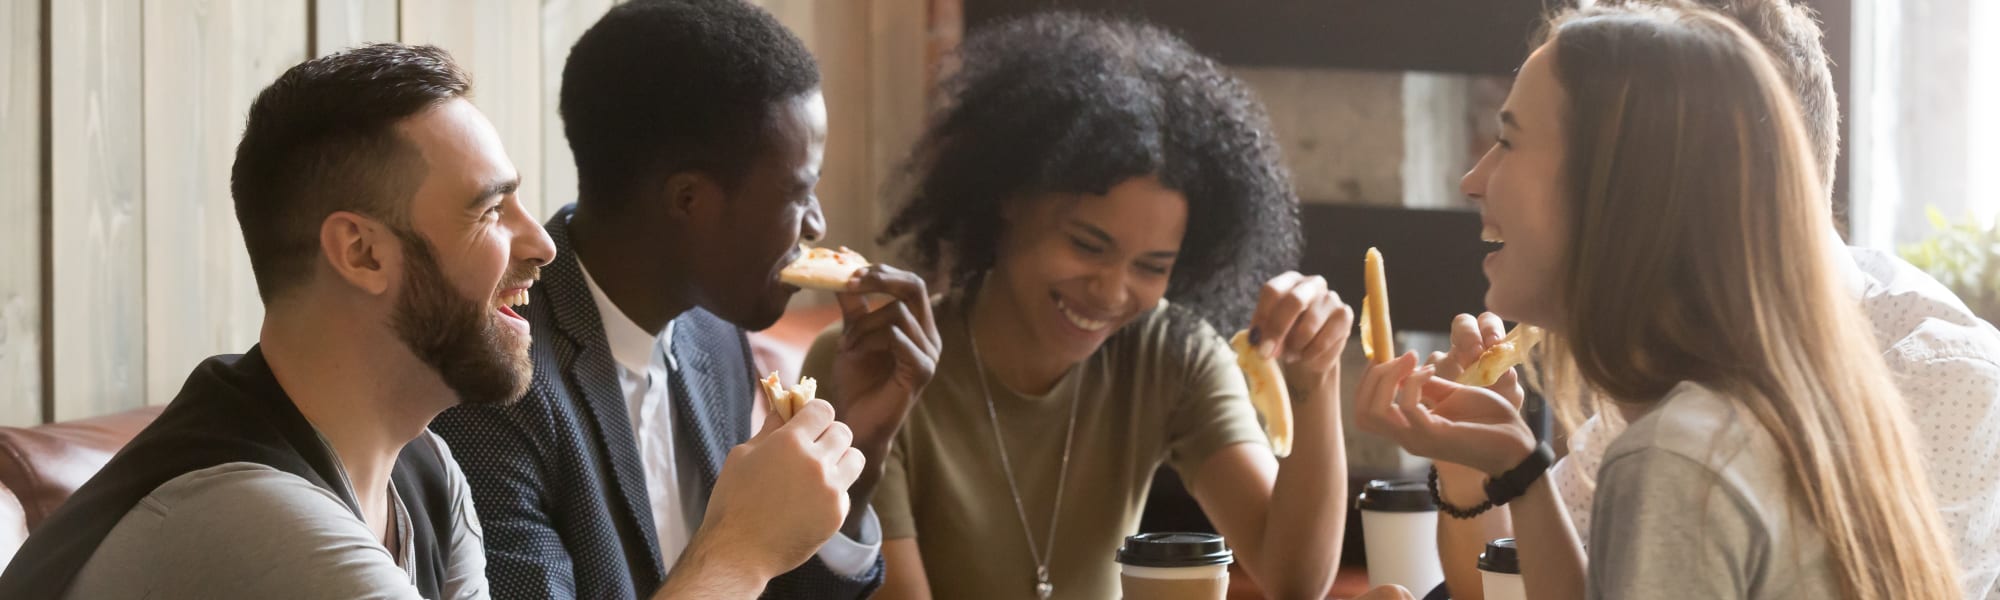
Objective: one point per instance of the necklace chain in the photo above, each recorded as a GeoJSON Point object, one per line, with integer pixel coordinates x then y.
{"type": "Point", "coordinates": [1041, 555]}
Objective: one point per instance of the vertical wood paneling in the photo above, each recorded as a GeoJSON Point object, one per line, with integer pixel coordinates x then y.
{"type": "Point", "coordinates": [563, 21]}
{"type": "Point", "coordinates": [499, 43]}
{"type": "Point", "coordinates": [898, 63]}
{"type": "Point", "coordinates": [342, 24]}
{"type": "Point", "coordinates": [21, 180]}
{"type": "Point", "coordinates": [840, 42]}
{"type": "Point", "coordinates": [97, 180]}
{"type": "Point", "coordinates": [205, 61]}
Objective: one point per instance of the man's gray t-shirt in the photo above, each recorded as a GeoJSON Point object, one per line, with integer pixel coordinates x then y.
{"type": "Point", "coordinates": [246, 530]}
{"type": "Point", "coordinates": [1692, 502]}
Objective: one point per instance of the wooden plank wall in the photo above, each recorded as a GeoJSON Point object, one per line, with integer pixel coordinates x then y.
{"type": "Point", "coordinates": [339, 24]}
{"type": "Point", "coordinates": [123, 264]}
{"type": "Point", "coordinates": [97, 175]}
{"type": "Point", "coordinates": [200, 298]}
{"type": "Point", "coordinates": [498, 42]}
{"type": "Point", "coordinates": [563, 21]}
{"type": "Point", "coordinates": [22, 209]}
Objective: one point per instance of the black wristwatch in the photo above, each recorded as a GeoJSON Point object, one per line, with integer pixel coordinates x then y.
{"type": "Point", "coordinates": [1503, 489]}
{"type": "Point", "coordinates": [1511, 484]}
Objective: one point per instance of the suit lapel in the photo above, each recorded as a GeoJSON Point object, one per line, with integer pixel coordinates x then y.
{"type": "Point", "coordinates": [694, 395]}
{"type": "Point", "coordinates": [593, 376]}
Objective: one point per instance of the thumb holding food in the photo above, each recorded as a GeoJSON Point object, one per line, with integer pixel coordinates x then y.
{"type": "Point", "coordinates": [780, 495]}
{"type": "Point", "coordinates": [1483, 354]}
{"type": "Point", "coordinates": [781, 403]}
{"type": "Point", "coordinates": [772, 420]}
{"type": "Point", "coordinates": [1467, 342]}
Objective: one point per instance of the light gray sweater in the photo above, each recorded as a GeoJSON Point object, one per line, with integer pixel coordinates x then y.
{"type": "Point", "coordinates": [1692, 503]}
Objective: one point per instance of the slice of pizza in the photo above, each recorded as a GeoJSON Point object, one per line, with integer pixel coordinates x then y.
{"type": "Point", "coordinates": [823, 269]}
{"type": "Point", "coordinates": [1498, 358]}
{"type": "Point", "coordinates": [786, 403]}
{"type": "Point", "coordinates": [1267, 392]}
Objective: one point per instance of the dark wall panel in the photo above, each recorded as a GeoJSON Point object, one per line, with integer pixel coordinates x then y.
{"type": "Point", "coordinates": [1463, 36]}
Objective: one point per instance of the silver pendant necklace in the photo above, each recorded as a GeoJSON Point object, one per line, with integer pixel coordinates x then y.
{"type": "Point", "coordinates": [1043, 589]}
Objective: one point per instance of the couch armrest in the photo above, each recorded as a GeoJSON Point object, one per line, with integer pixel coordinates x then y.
{"type": "Point", "coordinates": [43, 465]}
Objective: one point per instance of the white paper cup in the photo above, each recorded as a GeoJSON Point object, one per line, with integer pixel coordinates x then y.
{"type": "Point", "coordinates": [1175, 566]}
{"type": "Point", "coordinates": [1399, 529]}
{"type": "Point", "coordinates": [1500, 571]}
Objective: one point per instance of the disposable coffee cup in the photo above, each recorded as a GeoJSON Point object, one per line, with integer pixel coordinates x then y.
{"type": "Point", "coordinates": [1175, 566]}
{"type": "Point", "coordinates": [1500, 571]}
{"type": "Point", "coordinates": [1399, 529]}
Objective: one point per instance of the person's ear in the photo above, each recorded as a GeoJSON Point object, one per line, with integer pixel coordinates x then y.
{"type": "Point", "coordinates": [694, 198]}
{"type": "Point", "coordinates": [362, 252]}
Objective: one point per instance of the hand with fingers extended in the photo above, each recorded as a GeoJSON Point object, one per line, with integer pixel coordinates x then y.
{"type": "Point", "coordinates": [1303, 324]}
{"type": "Point", "coordinates": [1432, 417]}
{"type": "Point", "coordinates": [1470, 337]}
{"type": "Point", "coordinates": [887, 354]}
{"type": "Point", "coordinates": [779, 497]}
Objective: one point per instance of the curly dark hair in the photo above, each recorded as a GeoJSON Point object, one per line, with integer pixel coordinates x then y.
{"type": "Point", "coordinates": [1070, 103]}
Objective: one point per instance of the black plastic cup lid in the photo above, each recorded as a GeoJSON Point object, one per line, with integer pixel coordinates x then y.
{"type": "Point", "coordinates": [1500, 557]}
{"type": "Point", "coordinates": [1170, 550]}
{"type": "Point", "coordinates": [1397, 495]}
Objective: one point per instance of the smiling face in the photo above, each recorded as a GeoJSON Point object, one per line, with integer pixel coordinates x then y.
{"type": "Point", "coordinates": [471, 253]}
{"type": "Point", "coordinates": [1518, 186]}
{"type": "Point", "coordinates": [1073, 268]}
{"type": "Point", "coordinates": [763, 220]}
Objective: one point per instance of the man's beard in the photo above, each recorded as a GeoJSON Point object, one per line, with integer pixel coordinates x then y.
{"type": "Point", "coordinates": [457, 336]}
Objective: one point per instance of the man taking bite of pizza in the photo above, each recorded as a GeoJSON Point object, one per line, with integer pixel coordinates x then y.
{"type": "Point", "coordinates": [698, 128]}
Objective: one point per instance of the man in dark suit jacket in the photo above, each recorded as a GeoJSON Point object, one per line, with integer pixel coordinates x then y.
{"type": "Point", "coordinates": [698, 128]}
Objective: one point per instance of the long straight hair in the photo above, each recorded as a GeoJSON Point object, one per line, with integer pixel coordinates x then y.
{"type": "Point", "coordinates": [1699, 251]}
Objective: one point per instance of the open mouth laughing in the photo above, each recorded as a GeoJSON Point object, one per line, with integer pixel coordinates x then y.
{"type": "Point", "coordinates": [1083, 319]}
{"type": "Point", "coordinates": [510, 297]}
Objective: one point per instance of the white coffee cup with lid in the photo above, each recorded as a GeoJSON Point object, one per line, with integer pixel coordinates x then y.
{"type": "Point", "coordinates": [1500, 571]}
{"type": "Point", "coordinates": [1399, 530]}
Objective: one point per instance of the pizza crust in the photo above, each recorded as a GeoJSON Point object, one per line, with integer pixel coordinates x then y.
{"type": "Point", "coordinates": [1378, 341]}
{"type": "Point", "coordinates": [786, 403]}
{"type": "Point", "coordinates": [823, 269]}
{"type": "Point", "coordinates": [1499, 358]}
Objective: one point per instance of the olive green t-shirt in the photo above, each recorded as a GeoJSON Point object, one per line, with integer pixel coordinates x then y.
{"type": "Point", "coordinates": [1145, 397]}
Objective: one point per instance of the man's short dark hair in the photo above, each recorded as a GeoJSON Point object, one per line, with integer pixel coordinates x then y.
{"type": "Point", "coordinates": [659, 87]}
{"type": "Point", "coordinates": [322, 139]}
{"type": "Point", "coordinates": [1790, 32]}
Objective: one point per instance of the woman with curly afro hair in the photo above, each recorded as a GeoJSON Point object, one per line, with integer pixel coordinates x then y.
{"type": "Point", "coordinates": [1103, 201]}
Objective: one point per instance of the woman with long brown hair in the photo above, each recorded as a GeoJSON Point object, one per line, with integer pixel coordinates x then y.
{"type": "Point", "coordinates": [1663, 221]}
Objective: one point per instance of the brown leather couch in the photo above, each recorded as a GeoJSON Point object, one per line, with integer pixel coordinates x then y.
{"type": "Point", "coordinates": [41, 466]}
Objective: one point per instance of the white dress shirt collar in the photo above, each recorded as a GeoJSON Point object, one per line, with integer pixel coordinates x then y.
{"type": "Point", "coordinates": [631, 346]}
